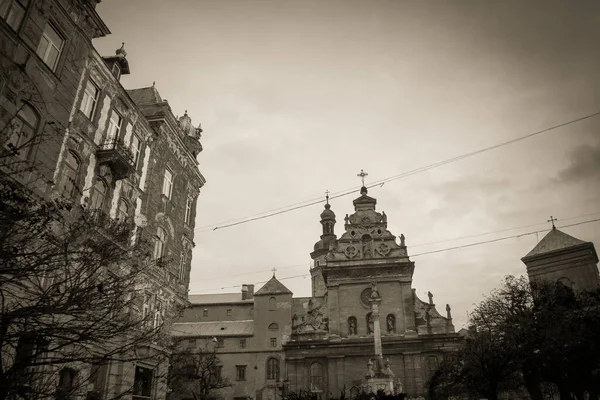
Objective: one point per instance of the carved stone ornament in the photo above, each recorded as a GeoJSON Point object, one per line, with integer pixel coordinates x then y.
{"type": "Point", "coordinates": [383, 249]}
{"type": "Point", "coordinates": [351, 251]}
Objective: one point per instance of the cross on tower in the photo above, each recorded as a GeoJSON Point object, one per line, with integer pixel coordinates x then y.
{"type": "Point", "coordinates": [274, 269]}
{"type": "Point", "coordinates": [362, 176]}
{"type": "Point", "coordinates": [327, 196]}
{"type": "Point", "coordinates": [552, 219]}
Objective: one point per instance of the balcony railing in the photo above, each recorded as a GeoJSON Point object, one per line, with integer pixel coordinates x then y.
{"type": "Point", "coordinates": [118, 156]}
{"type": "Point", "coordinates": [118, 230]}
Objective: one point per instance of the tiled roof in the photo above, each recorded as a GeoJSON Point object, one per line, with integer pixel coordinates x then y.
{"type": "Point", "coordinates": [147, 95]}
{"type": "Point", "coordinates": [273, 286]}
{"type": "Point", "coordinates": [217, 298]}
{"type": "Point", "coordinates": [554, 240]}
{"type": "Point", "coordinates": [216, 328]}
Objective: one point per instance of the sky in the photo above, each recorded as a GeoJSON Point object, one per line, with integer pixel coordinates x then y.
{"type": "Point", "coordinates": [296, 97]}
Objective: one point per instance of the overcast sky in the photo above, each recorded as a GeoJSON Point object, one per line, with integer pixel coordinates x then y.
{"type": "Point", "coordinates": [296, 97]}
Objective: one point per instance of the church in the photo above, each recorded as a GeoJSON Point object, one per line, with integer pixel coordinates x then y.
{"type": "Point", "coordinates": [363, 309]}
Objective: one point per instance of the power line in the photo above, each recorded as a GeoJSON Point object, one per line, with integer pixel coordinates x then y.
{"type": "Point", "coordinates": [381, 182]}
{"type": "Point", "coordinates": [414, 245]}
{"type": "Point", "coordinates": [433, 251]}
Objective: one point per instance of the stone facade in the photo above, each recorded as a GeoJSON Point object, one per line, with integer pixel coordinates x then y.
{"type": "Point", "coordinates": [559, 257]}
{"type": "Point", "coordinates": [323, 343]}
{"type": "Point", "coordinates": [121, 155]}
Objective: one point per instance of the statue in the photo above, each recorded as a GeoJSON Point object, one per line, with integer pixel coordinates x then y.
{"type": "Point", "coordinates": [383, 217]}
{"type": "Point", "coordinates": [370, 323]}
{"type": "Point", "coordinates": [388, 368]}
{"type": "Point", "coordinates": [367, 249]}
{"type": "Point", "coordinates": [430, 297]}
{"type": "Point", "coordinates": [402, 244]}
{"type": "Point", "coordinates": [352, 326]}
{"type": "Point", "coordinates": [448, 315]}
{"type": "Point", "coordinates": [374, 291]}
{"type": "Point", "coordinates": [346, 219]}
{"type": "Point", "coordinates": [391, 324]}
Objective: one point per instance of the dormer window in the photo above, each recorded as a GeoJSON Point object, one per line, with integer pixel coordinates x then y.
{"type": "Point", "coordinates": [116, 71]}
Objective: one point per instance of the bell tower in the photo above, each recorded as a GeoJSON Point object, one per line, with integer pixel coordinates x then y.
{"type": "Point", "coordinates": [321, 249]}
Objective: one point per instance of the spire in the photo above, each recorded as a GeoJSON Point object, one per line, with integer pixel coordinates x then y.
{"type": "Point", "coordinates": [327, 217]}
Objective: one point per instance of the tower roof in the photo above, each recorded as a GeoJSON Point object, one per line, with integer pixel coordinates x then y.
{"type": "Point", "coordinates": [273, 286]}
{"type": "Point", "coordinates": [554, 240]}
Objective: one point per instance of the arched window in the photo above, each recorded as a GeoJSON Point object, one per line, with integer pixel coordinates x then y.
{"type": "Point", "coordinates": [390, 322]}
{"type": "Point", "coordinates": [159, 243]}
{"type": "Point", "coordinates": [273, 327]}
{"type": "Point", "coordinates": [316, 377]}
{"type": "Point", "coordinates": [66, 383]}
{"type": "Point", "coordinates": [22, 129]}
{"type": "Point", "coordinates": [566, 281]}
{"type": "Point", "coordinates": [272, 304]}
{"type": "Point", "coordinates": [70, 174]}
{"type": "Point", "coordinates": [123, 214]}
{"type": "Point", "coordinates": [99, 192]}
{"type": "Point", "coordinates": [273, 368]}
{"type": "Point", "coordinates": [352, 326]}
{"type": "Point", "coordinates": [431, 366]}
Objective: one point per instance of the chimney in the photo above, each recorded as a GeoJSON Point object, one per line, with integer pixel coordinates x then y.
{"type": "Point", "coordinates": [247, 292]}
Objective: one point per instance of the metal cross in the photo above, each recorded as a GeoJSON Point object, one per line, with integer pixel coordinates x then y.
{"type": "Point", "coordinates": [552, 219]}
{"type": "Point", "coordinates": [327, 196]}
{"type": "Point", "coordinates": [274, 269]}
{"type": "Point", "coordinates": [362, 176]}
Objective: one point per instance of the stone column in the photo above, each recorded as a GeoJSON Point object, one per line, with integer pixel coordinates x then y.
{"type": "Point", "coordinates": [375, 301]}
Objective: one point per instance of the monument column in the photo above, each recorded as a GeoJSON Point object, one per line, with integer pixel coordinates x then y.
{"type": "Point", "coordinates": [375, 300]}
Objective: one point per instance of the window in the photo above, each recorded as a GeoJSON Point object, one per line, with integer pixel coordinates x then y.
{"type": "Point", "coordinates": [205, 313]}
{"type": "Point", "coordinates": [188, 210]}
{"type": "Point", "coordinates": [159, 313]}
{"type": "Point", "coordinates": [114, 128]}
{"type": "Point", "coordinates": [90, 99]}
{"type": "Point", "coordinates": [68, 180]}
{"type": "Point", "coordinates": [123, 213]}
{"type": "Point", "coordinates": [66, 383]}
{"type": "Point", "coordinates": [168, 183]}
{"type": "Point", "coordinates": [240, 372]}
{"type": "Point", "coordinates": [23, 128]}
{"type": "Point", "coordinates": [159, 243]}
{"type": "Point", "coordinates": [25, 350]}
{"type": "Point", "coordinates": [146, 308]}
{"type": "Point", "coordinates": [242, 343]}
{"type": "Point", "coordinates": [229, 312]}
{"type": "Point", "coordinates": [182, 266]}
{"type": "Point", "coordinates": [220, 342]}
{"type": "Point", "coordinates": [273, 327]}
{"type": "Point", "coordinates": [136, 148]}
{"type": "Point", "coordinates": [217, 372]}
{"type": "Point", "coordinates": [98, 195]}
{"type": "Point", "coordinates": [273, 368]}
{"type": "Point", "coordinates": [50, 46]}
{"type": "Point", "coordinates": [272, 304]}
{"type": "Point", "coordinates": [273, 342]}
{"type": "Point", "coordinates": [142, 383]}
{"type": "Point", "coordinates": [316, 377]}
{"type": "Point", "coordinates": [13, 11]}
{"type": "Point", "coordinates": [116, 71]}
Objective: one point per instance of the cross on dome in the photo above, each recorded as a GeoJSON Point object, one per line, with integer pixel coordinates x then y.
{"type": "Point", "coordinates": [362, 176]}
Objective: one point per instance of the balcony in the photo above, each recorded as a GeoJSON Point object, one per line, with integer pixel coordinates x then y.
{"type": "Point", "coordinates": [118, 157]}
{"type": "Point", "coordinates": [118, 231]}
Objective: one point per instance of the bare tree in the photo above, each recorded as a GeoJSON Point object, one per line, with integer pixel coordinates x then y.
{"type": "Point", "coordinates": [69, 294]}
{"type": "Point", "coordinates": [195, 373]}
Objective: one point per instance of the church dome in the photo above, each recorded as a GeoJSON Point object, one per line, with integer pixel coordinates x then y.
{"type": "Point", "coordinates": [327, 213]}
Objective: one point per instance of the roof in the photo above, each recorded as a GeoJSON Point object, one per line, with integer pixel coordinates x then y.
{"type": "Point", "coordinates": [217, 298]}
{"type": "Point", "coordinates": [273, 286]}
{"type": "Point", "coordinates": [147, 95]}
{"type": "Point", "coordinates": [554, 240]}
{"type": "Point", "coordinates": [215, 328]}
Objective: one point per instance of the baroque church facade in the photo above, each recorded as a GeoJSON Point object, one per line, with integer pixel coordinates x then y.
{"type": "Point", "coordinates": [270, 342]}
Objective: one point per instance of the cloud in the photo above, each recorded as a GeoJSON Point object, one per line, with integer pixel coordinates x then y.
{"type": "Point", "coordinates": [584, 165]}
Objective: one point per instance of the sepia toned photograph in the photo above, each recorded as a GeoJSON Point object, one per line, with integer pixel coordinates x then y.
{"type": "Point", "coordinates": [299, 199]}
